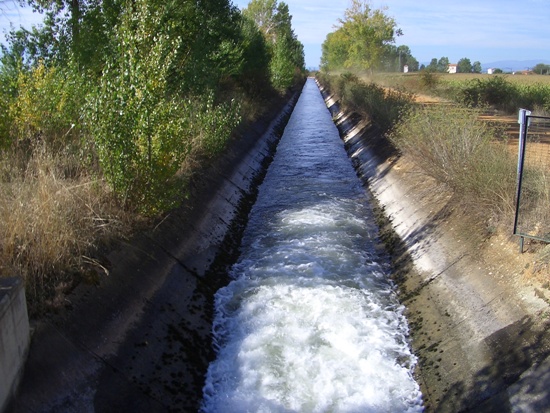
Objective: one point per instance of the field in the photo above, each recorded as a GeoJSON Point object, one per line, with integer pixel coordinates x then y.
{"type": "Point", "coordinates": [412, 80]}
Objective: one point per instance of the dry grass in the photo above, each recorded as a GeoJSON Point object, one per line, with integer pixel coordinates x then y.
{"type": "Point", "coordinates": [453, 146]}
{"type": "Point", "coordinates": [51, 218]}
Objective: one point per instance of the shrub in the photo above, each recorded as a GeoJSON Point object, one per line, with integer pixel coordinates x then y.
{"type": "Point", "coordinates": [47, 106]}
{"type": "Point", "coordinates": [384, 106]}
{"type": "Point", "coordinates": [50, 225]}
{"type": "Point", "coordinates": [495, 91]}
{"type": "Point", "coordinates": [429, 80]}
{"type": "Point", "coordinates": [452, 145]}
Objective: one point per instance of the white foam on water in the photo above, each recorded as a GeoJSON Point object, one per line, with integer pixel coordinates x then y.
{"type": "Point", "coordinates": [310, 325]}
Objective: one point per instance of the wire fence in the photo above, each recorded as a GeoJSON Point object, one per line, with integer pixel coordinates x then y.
{"type": "Point", "coordinates": [533, 191]}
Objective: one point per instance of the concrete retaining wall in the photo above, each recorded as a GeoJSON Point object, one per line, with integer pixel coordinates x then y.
{"type": "Point", "coordinates": [14, 336]}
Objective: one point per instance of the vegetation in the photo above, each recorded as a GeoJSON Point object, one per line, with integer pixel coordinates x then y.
{"type": "Point", "coordinates": [382, 105]}
{"type": "Point", "coordinates": [452, 144]}
{"type": "Point", "coordinates": [448, 142]}
{"type": "Point", "coordinates": [108, 110]}
{"type": "Point", "coordinates": [364, 42]}
{"type": "Point", "coordinates": [508, 93]}
{"type": "Point", "coordinates": [464, 65]}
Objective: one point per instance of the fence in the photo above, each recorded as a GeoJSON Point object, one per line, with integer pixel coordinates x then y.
{"type": "Point", "coordinates": [532, 218]}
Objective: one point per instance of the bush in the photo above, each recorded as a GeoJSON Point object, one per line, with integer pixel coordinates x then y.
{"type": "Point", "coordinates": [495, 91]}
{"type": "Point", "coordinates": [452, 145]}
{"type": "Point", "coordinates": [429, 80]}
{"type": "Point", "coordinates": [142, 132]}
{"type": "Point", "coordinates": [383, 106]}
{"type": "Point", "coordinates": [47, 106]}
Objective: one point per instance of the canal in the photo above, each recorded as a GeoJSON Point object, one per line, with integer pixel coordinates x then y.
{"type": "Point", "coordinates": [310, 321]}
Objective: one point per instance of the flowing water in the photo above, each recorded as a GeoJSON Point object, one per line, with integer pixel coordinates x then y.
{"type": "Point", "coordinates": [310, 322]}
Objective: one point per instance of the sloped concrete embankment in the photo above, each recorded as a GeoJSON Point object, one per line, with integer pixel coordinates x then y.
{"type": "Point", "coordinates": [481, 345]}
{"type": "Point", "coordinates": [141, 341]}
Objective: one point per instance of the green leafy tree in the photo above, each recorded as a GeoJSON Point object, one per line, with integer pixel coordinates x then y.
{"type": "Point", "coordinates": [443, 64]}
{"type": "Point", "coordinates": [369, 32]}
{"type": "Point", "coordinates": [542, 69]}
{"type": "Point", "coordinates": [335, 51]}
{"type": "Point", "coordinates": [397, 57]}
{"type": "Point", "coordinates": [432, 66]}
{"type": "Point", "coordinates": [287, 53]}
{"type": "Point", "coordinates": [476, 67]}
{"type": "Point", "coordinates": [144, 129]}
{"type": "Point", "coordinates": [364, 34]}
{"type": "Point", "coordinates": [78, 30]}
{"type": "Point", "coordinates": [464, 65]}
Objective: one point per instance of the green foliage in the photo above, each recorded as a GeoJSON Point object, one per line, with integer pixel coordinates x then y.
{"type": "Point", "coordinates": [363, 39]}
{"type": "Point", "coordinates": [254, 74]}
{"type": "Point", "coordinates": [464, 65]}
{"type": "Point", "coordinates": [476, 67]}
{"type": "Point", "coordinates": [383, 106]}
{"type": "Point", "coordinates": [493, 91]}
{"type": "Point", "coordinates": [429, 80]}
{"type": "Point", "coordinates": [440, 65]}
{"type": "Point", "coordinates": [142, 132]}
{"type": "Point", "coordinates": [47, 106]}
{"type": "Point", "coordinates": [273, 19]}
{"type": "Point", "coordinates": [542, 69]}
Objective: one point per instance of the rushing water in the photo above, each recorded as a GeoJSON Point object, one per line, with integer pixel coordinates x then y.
{"type": "Point", "coordinates": [309, 322]}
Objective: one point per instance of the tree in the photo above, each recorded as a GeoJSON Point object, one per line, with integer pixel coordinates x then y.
{"type": "Point", "coordinates": [363, 37]}
{"type": "Point", "coordinates": [443, 64]}
{"type": "Point", "coordinates": [287, 53]}
{"type": "Point", "coordinates": [542, 69]}
{"type": "Point", "coordinates": [432, 67]}
{"type": "Point", "coordinates": [476, 67]}
{"type": "Point", "coordinates": [464, 65]}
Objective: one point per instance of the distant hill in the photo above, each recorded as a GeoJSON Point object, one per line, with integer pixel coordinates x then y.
{"type": "Point", "coordinates": [513, 65]}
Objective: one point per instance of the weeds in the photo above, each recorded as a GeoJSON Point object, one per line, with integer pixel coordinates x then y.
{"type": "Point", "coordinates": [384, 106]}
{"type": "Point", "coordinates": [452, 145]}
{"type": "Point", "coordinates": [49, 222]}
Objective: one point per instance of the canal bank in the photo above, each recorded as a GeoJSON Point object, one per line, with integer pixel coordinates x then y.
{"type": "Point", "coordinates": [480, 334]}
{"type": "Point", "coordinates": [140, 340]}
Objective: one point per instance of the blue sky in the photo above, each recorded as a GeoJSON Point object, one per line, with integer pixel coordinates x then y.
{"type": "Point", "coordinates": [481, 30]}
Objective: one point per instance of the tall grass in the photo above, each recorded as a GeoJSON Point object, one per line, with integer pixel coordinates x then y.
{"type": "Point", "coordinates": [452, 145]}
{"type": "Point", "coordinates": [384, 106]}
{"type": "Point", "coordinates": [51, 224]}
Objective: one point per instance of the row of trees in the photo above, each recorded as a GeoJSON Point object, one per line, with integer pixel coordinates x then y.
{"type": "Point", "coordinates": [109, 110]}
{"type": "Point", "coordinates": [464, 65]}
{"type": "Point", "coordinates": [142, 84]}
{"type": "Point", "coordinates": [542, 69]}
{"type": "Point", "coordinates": [364, 40]}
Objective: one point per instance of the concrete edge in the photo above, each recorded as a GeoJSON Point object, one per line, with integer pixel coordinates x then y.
{"type": "Point", "coordinates": [14, 337]}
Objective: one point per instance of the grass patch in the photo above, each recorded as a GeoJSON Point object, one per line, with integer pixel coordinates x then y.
{"type": "Point", "coordinates": [51, 224]}
{"type": "Point", "coordinates": [453, 146]}
{"type": "Point", "coordinates": [382, 105]}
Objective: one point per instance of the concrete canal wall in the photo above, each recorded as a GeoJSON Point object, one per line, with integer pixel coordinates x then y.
{"type": "Point", "coordinates": [14, 336]}
{"type": "Point", "coordinates": [481, 341]}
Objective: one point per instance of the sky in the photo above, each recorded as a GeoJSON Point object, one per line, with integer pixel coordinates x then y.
{"type": "Point", "coordinates": [480, 30]}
